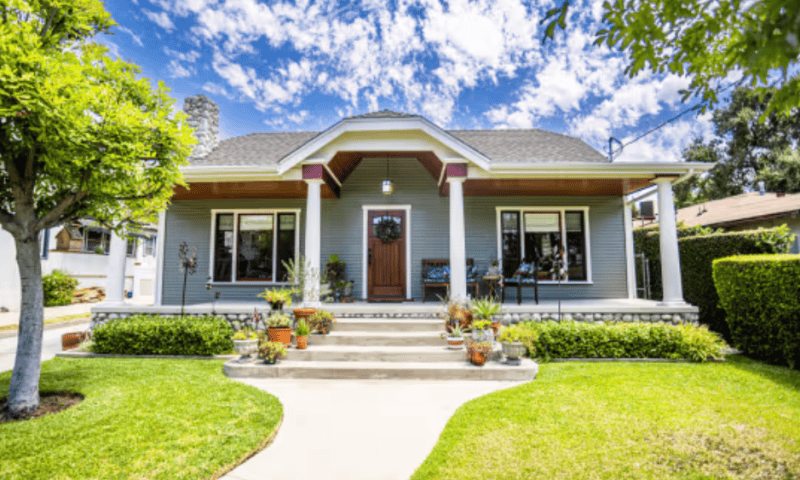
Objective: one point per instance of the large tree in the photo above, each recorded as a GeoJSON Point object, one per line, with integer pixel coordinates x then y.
{"type": "Point", "coordinates": [710, 41]}
{"type": "Point", "coordinates": [81, 134]}
{"type": "Point", "coordinates": [751, 146]}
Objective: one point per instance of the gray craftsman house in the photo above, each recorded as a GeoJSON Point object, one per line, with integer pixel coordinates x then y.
{"type": "Point", "coordinates": [409, 205]}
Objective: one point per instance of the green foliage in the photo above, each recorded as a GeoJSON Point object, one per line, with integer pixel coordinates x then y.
{"type": "Point", "coordinates": [302, 329]}
{"type": "Point", "coordinates": [271, 351]}
{"type": "Point", "coordinates": [59, 288]}
{"type": "Point", "coordinates": [705, 41]}
{"type": "Point", "coordinates": [245, 334]}
{"type": "Point", "coordinates": [456, 332]}
{"type": "Point", "coordinates": [746, 150]}
{"type": "Point", "coordinates": [510, 335]}
{"type": "Point", "coordinates": [622, 340]}
{"type": "Point", "coordinates": [697, 254]}
{"type": "Point", "coordinates": [278, 295]}
{"type": "Point", "coordinates": [162, 419]}
{"type": "Point", "coordinates": [321, 321]}
{"type": "Point", "coordinates": [485, 308]}
{"type": "Point", "coordinates": [153, 335]}
{"type": "Point", "coordinates": [481, 324]}
{"type": "Point", "coordinates": [761, 295]}
{"type": "Point", "coordinates": [279, 321]}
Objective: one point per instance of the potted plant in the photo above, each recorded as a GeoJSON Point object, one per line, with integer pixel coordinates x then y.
{"type": "Point", "coordinates": [487, 309]}
{"type": "Point", "coordinates": [457, 313]}
{"type": "Point", "coordinates": [456, 339]}
{"type": "Point", "coordinates": [301, 332]}
{"type": "Point", "coordinates": [301, 275]}
{"type": "Point", "coordinates": [277, 297]}
{"type": "Point", "coordinates": [279, 329]}
{"type": "Point", "coordinates": [481, 331]}
{"type": "Point", "coordinates": [513, 348]}
{"type": "Point", "coordinates": [480, 352]}
{"type": "Point", "coordinates": [271, 352]}
{"type": "Point", "coordinates": [494, 269]}
{"type": "Point", "coordinates": [245, 342]}
{"type": "Point", "coordinates": [321, 321]}
{"type": "Point", "coordinates": [469, 342]}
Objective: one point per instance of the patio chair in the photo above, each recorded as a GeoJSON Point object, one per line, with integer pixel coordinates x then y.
{"type": "Point", "coordinates": [436, 274]}
{"type": "Point", "coordinates": [527, 275]}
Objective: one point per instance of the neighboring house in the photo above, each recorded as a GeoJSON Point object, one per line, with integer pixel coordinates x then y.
{"type": "Point", "coordinates": [747, 211]}
{"type": "Point", "coordinates": [81, 250]}
{"type": "Point", "coordinates": [257, 200]}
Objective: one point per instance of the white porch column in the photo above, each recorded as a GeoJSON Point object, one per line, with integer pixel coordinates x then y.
{"type": "Point", "coordinates": [668, 234]}
{"type": "Point", "coordinates": [630, 257]}
{"type": "Point", "coordinates": [115, 274]}
{"type": "Point", "coordinates": [313, 235]}
{"type": "Point", "coordinates": [458, 250]}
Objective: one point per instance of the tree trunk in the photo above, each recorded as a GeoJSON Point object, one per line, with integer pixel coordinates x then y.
{"type": "Point", "coordinates": [23, 394]}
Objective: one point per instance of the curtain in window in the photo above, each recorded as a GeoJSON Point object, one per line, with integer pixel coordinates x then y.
{"type": "Point", "coordinates": [254, 247]}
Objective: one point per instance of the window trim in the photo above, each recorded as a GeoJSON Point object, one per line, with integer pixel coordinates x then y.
{"type": "Point", "coordinates": [548, 209]}
{"type": "Point", "coordinates": [245, 211]}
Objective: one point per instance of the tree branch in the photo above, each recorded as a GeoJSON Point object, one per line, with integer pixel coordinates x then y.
{"type": "Point", "coordinates": [8, 222]}
{"type": "Point", "coordinates": [49, 21]}
{"type": "Point", "coordinates": [57, 213]}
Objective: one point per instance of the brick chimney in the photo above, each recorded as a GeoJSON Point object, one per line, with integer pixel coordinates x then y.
{"type": "Point", "coordinates": [204, 119]}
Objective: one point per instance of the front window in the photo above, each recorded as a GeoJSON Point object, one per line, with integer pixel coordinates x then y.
{"type": "Point", "coordinates": [539, 236]}
{"type": "Point", "coordinates": [95, 240]}
{"type": "Point", "coordinates": [149, 246]}
{"type": "Point", "coordinates": [131, 247]}
{"type": "Point", "coordinates": [253, 246]}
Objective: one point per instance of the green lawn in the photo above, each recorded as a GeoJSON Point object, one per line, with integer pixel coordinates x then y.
{"type": "Point", "coordinates": [141, 418]}
{"type": "Point", "coordinates": [734, 420]}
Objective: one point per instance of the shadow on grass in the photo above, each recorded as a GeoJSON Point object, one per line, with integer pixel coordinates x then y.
{"type": "Point", "coordinates": [778, 374]}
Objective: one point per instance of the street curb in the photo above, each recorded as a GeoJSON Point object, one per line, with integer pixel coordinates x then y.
{"type": "Point", "coordinates": [72, 354]}
{"type": "Point", "coordinates": [52, 326]}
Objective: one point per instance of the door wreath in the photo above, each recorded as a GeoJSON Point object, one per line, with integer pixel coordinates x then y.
{"type": "Point", "coordinates": [388, 229]}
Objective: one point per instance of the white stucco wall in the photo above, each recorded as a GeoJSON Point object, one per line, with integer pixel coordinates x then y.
{"type": "Point", "coordinates": [9, 273]}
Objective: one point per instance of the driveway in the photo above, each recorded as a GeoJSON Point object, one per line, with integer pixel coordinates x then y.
{"type": "Point", "coordinates": [50, 345]}
{"type": "Point", "coordinates": [357, 429]}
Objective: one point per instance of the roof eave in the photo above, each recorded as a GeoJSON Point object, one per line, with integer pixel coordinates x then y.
{"type": "Point", "coordinates": [643, 168]}
{"type": "Point", "coordinates": [213, 173]}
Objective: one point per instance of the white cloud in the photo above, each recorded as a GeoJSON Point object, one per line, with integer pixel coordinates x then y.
{"type": "Point", "coordinates": [136, 38]}
{"type": "Point", "coordinates": [161, 19]}
{"type": "Point", "coordinates": [191, 56]}
{"type": "Point", "coordinates": [176, 70]}
{"type": "Point", "coordinates": [667, 143]}
{"type": "Point", "coordinates": [217, 89]}
{"type": "Point", "coordinates": [298, 117]}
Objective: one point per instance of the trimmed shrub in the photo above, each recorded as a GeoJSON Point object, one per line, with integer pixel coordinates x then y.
{"type": "Point", "coordinates": [761, 295]}
{"type": "Point", "coordinates": [59, 288]}
{"type": "Point", "coordinates": [698, 249]}
{"type": "Point", "coordinates": [547, 340]}
{"type": "Point", "coordinates": [153, 335]}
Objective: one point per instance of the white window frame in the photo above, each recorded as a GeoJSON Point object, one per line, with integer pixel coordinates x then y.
{"type": "Point", "coordinates": [562, 210]}
{"type": "Point", "coordinates": [250, 211]}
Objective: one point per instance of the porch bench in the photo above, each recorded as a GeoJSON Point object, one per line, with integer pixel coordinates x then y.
{"type": "Point", "coordinates": [436, 274]}
{"type": "Point", "coordinates": [527, 275]}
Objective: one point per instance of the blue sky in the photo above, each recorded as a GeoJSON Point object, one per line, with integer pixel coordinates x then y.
{"type": "Point", "coordinates": [275, 66]}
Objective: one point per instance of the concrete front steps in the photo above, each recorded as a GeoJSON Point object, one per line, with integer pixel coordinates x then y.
{"type": "Point", "coordinates": [381, 348]}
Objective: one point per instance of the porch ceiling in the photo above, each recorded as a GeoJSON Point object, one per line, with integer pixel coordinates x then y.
{"type": "Point", "coordinates": [247, 190]}
{"type": "Point", "coordinates": [344, 163]}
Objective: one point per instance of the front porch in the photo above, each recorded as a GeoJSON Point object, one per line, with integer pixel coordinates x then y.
{"type": "Point", "coordinates": [239, 313]}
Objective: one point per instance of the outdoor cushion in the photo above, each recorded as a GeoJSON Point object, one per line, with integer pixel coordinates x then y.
{"type": "Point", "coordinates": [472, 273]}
{"type": "Point", "coordinates": [436, 274]}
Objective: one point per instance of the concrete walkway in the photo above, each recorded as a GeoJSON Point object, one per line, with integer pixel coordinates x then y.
{"type": "Point", "coordinates": [357, 429]}
{"type": "Point", "coordinates": [51, 344]}
{"type": "Point", "coordinates": [12, 318]}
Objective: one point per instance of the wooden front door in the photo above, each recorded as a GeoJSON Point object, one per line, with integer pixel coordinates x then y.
{"type": "Point", "coordinates": [386, 256]}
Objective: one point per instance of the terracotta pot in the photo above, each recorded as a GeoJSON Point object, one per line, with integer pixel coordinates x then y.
{"type": "Point", "coordinates": [479, 357]}
{"type": "Point", "coordinates": [302, 313]}
{"type": "Point", "coordinates": [302, 342]}
{"type": "Point", "coordinates": [282, 335]}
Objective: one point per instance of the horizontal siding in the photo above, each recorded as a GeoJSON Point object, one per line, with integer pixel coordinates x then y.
{"type": "Point", "coordinates": [190, 221]}
{"type": "Point", "coordinates": [342, 232]}
{"type": "Point", "coordinates": [605, 228]}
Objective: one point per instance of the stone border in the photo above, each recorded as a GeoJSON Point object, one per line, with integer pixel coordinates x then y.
{"type": "Point", "coordinates": [245, 320]}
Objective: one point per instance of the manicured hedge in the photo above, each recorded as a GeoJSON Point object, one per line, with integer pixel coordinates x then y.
{"type": "Point", "coordinates": [761, 295]}
{"type": "Point", "coordinates": [153, 335]}
{"type": "Point", "coordinates": [698, 248]}
{"type": "Point", "coordinates": [547, 340]}
{"type": "Point", "coordinates": [59, 289]}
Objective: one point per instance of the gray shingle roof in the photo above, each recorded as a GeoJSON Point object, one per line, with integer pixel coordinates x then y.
{"type": "Point", "coordinates": [385, 114]}
{"type": "Point", "coordinates": [523, 146]}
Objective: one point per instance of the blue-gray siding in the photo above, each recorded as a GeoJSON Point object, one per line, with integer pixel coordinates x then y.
{"type": "Point", "coordinates": [342, 232]}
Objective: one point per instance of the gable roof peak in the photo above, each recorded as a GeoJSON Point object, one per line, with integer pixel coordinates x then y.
{"type": "Point", "coordinates": [384, 114]}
